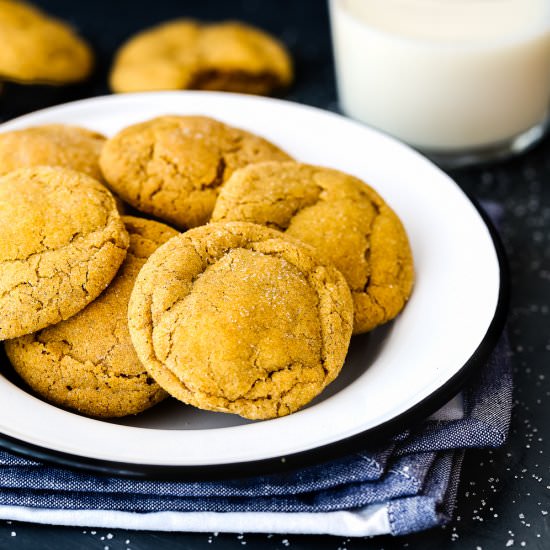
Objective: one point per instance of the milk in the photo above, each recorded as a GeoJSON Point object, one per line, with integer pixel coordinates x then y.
{"type": "Point", "coordinates": [444, 75]}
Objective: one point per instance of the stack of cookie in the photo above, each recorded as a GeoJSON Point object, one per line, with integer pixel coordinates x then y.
{"type": "Point", "coordinates": [249, 311]}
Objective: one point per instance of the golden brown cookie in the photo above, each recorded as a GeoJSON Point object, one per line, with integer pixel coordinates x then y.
{"type": "Point", "coordinates": [38, 48]}
{"type": "Point", "coordinates": [237, 318]}
{"type": "Point", "coordinates": [88, 362]}
{"type": "Point", "coordinates": [185, 54]}
{"type": "Point", "coordinates": [52, 145]}
{"type": "Point", "coordinates": [172, 166]}
{"type": "Point", "coordinates": [61, 243]}
{"type": "Point", "coordinates": [347, 222]}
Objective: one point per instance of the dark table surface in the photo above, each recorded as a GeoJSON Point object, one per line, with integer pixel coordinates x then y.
{"type": "Point", "coordinates": [504, 497]}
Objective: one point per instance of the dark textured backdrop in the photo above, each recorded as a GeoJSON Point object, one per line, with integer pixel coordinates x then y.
{"type": "Point", "coordinates": [504, 499]}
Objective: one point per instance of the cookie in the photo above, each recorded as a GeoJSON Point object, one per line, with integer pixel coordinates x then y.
{"type": "Point", "coordinates": [347, 222]}
{"type": "Point", "coordinates": [237, 318]}
{"type": "Point", "coordinates": [52, 145]}
{"type": "Point", "coordinates": [61, 243]}
{"type": "Point", "coordinates": [172, 167]}
{"type": "Point", "coordinates": [37, 48]}
{"type": "Point", "coordinates": [88, 363]}
{"type": "Point", "coordinates": [185, 54]}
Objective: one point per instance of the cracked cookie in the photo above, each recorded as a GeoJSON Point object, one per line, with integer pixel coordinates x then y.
{"type": "Point", "coordinates": [172, 166]}
{"type": "Point", "coordinates": [87, 363]}
{"type": "Point", "coordinates": [347, 222]}
{"type": "Point", "coordinates": [185, 54]}
{"type": "Point", "coordinates": [61, 243]}
{"type": "Point", "coordinates": [237, 318]}
{"type": "Point", "coordinates": [37, 48]}
{"type": "Point", "coordinates": [52, 145]}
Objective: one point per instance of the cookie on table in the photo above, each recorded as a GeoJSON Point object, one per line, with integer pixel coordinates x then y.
{"type": "Point", "coordinates": [237, 318]}
{"type": "Point", "coordinates": [185, 54]}
{"type": "Point", "coordinates": [88, 363]}
{"type": "Point", "coordinates": [347, 222]}
{"type": "Point", "coordinates": [172, 166]}
{"type": "Point", "coordinates": [52, 145]}
{"type": "Point", "coordinates": [37, 48]}
{"type": "Point", "coordinates": [61, 243]}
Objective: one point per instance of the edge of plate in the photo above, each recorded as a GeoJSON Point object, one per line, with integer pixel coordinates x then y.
{"type": "Point", "coordinates": [308, 457]}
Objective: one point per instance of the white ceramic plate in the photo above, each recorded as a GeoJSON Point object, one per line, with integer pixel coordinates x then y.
{"type": "Point", "coordinates": [392, 375]}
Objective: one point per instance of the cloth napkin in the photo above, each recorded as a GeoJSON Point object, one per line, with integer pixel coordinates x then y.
{"type": "Point", "coordinates": [408, 484]}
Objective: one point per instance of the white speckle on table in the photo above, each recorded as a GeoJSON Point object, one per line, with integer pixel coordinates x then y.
{"type": "Point", "coordinates": [13, 534]}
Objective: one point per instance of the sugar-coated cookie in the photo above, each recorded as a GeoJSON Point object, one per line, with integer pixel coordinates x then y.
{"type": "Point", "coordinates": [183, 54]}
{"type": "Point", "coordinates": [36, 48]}
{"type": "Point", "coordinates": [88, 363]}
{"type": "Point", "coordinates": [61, 243]}
{"type": "Point", "coordinates": [52, 145]}
{"type": "Point", "coordinates": [347, 222]}
{"type": "Point", "coordinates": [172, 166]}
{"type": "Point", "coordinates": [237, 318]}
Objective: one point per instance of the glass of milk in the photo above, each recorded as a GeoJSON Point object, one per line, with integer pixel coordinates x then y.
{"type": "Point", "coordinates": [461, 80]}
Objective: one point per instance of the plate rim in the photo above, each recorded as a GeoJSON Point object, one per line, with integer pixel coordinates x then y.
{"type": "Point", "coordinates": [308, 457]}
